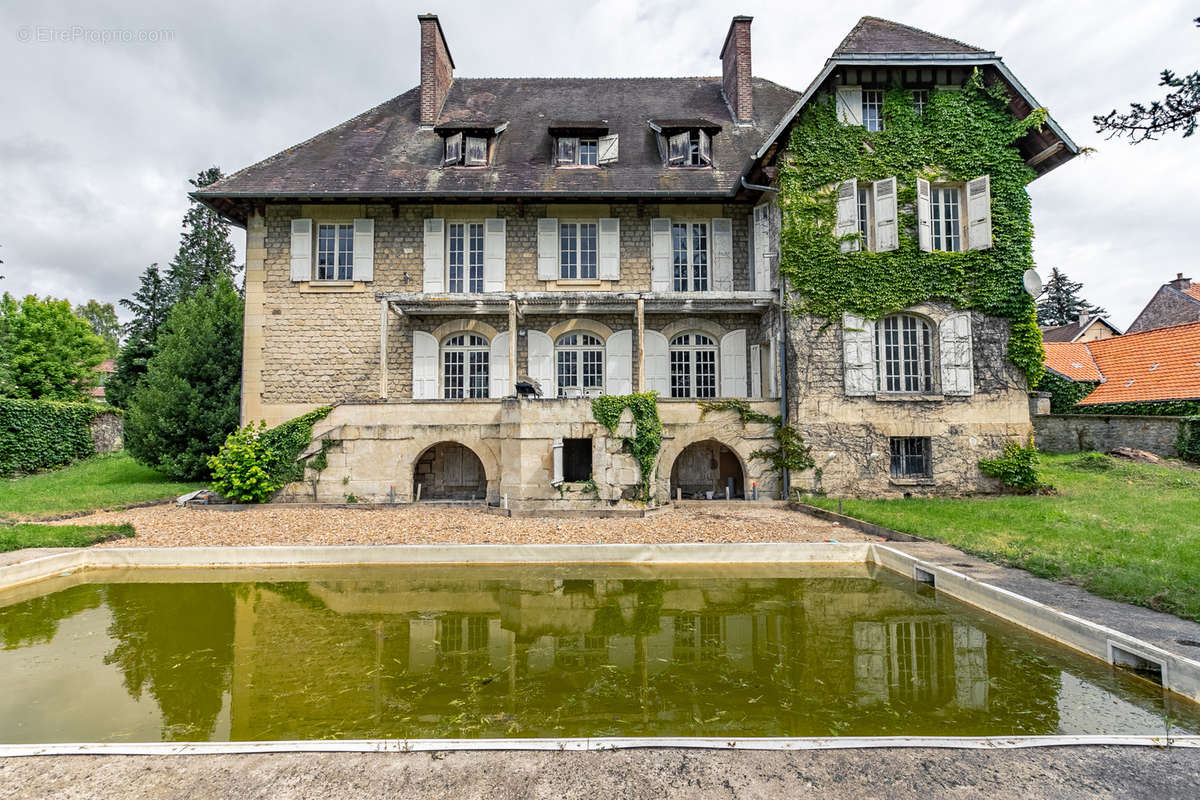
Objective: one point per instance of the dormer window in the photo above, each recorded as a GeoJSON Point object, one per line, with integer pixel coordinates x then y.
{"type": "Point", "coordinates": [685, 143]}
{"type": "Point", "coordinates": [468, 144]}
{"type": "Point", "coordinates": [583, 144]}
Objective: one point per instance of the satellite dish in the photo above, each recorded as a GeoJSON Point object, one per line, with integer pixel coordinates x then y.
{"type": "Point", "coordinates": [1033, 282]}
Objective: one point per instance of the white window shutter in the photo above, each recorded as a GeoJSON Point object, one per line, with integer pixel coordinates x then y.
{"type": "Point", "coordinates": [364, 250]}
{"type": "Point", "coordinates": [722, 254]}
{"type": "Point", "coordinates": [733, 364]}
{"type": "Point", "coordinates": [954, 340]}
{"type": "Point", "coordinates": [678, 147]}
{"type": "Point", "coordinates": [494, 254]}
{"type": "Point", "coordinates": [607, 149]}
{"type": "Point", "coordinates": [979, 213]}
{"type": "Point", "coordinates": [477, 151]}
{"type": "Point", "coordinates": [435, 255]}
{"type": "Point", "coordinates": [541, 362]}
{"type": "Point", "coordinates": [618, 363]}
{"type": "Point", "coordinates": [660, 254]}
{"type": "Point", "coordinates": [453, 150]}
{"type": "Point", "coordinates": [772, 370]}
{"type": "Point", "coordinates": [499, 384]}
{"type": "Point", "coordinates": [924, 216]}
{"type": "Point", "coordinates": [887, 231]}
{"type": "Point", "coordinates": [705, 147]}
{"type": "Point", "coordinates": [656, 360]}
{"type": "Point", "coordinates": [608, 256]}
{"type": "Point", "coordinates": [568, 147]}
{"type": "Point", "coordinates": [756, 372]}
{"type": "Point", "coordinates": [847, 215]}
{"type": "Point", "coordinates": [301, 250]}
{"type": "Point", "coordinates": [858, 355]}
{"type": "Point", "coordinates": [547, 244]}
{"type": "Point", "coordinates": [849, 105]}
{"type": "Point", "coordinates": [762, 247]}
{"type": "Point", "coordinates": [425, 366]}
{"type": "Point", "coordinates": [556, 461]}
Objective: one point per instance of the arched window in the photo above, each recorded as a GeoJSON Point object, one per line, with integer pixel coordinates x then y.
{"type": "Point", "coordinates": [693, 366]}
{"type": "Point", "coordinates": [580, 359]}
{"type": "Point", "coordinates": [465, 366]}
{"type": "Point", "coordinates": [904, 354]}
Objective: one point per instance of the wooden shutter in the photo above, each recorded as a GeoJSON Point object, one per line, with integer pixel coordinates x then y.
{"type": "Point", "coordinates": [477, 151]}
{"type": "Point", "coordinates": [547, 243]}
{"type": "Point", "coordinates": [979, 213]}
{"type": "Point", "coordinates": [453, 151]}
{"type": "Point", "coordinates": [618, 363]}
{"type": "Point", "coordinates": [678, 148]}
{"type": "Point", "coordinates": [887, 234]}
{"type": "Point", "coordinates": [302, 249]}
{"type": "Point", "coordinates": [660, 255]}
{"type": "Point", "coordinates": [849, 105]}
{"type": "Point", "coordinates": [568, 150]}
{"type": "Point", "coordinates": [435, 255]}
{"type": "Point", "coordinates": [924, 216]}
{"type": "Point", "coordinates": [425, 366]}
{"type": "Point", "coordinates": [607, 149]}
{"type": "Point", "coordinates": [541, 362]}
{"type": "Point", "coordinates": [608, 246]}
{"type": "Point", "coordinates": [722, 254]}
{"type": "Point", "coordinates": [494, 249]}
{"type": "Point", "coordinates": [657, 362]}
{"type": "Point", "coordinates": [858, 354]}
{"type": "Point", "coordinates": [847, 215]}
{"type": "Point", "coordinates": [954, 340]}
{"type": "Point", "coordinates": [499, 384]}
{"type": "Point", "coordinates": [705, 147]}
{"type": "Point", "coordinates": [556, 462]}
{"type": "Point", "coordinates": [761, 231]}
{"type": "Point", "coordinates": [772, 367]}
{"type": "Point", "coordinates": [733, 364]}
{"type": "Point", "coordinates": [756, 392]}
{"type": "Point", "coordinates": [364, 250]}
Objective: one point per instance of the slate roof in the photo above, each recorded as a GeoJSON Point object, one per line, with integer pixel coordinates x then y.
{"type": "Point", "coordinates": [873, 35]}
{"type": "Point", "coordinates": [1072, 360]}
{"type": "Point", "coordinates": [1162, 364]}
{"type": "Point", "coordinates": [1071, 331]}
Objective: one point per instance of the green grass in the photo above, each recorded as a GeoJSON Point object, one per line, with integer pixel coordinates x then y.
{"type": "Point", "coordinates": [98, 482]}
{"type": "Point", "coordinates": [16, 537]}
{"type": "Point", "coordinates": [1126, 531]}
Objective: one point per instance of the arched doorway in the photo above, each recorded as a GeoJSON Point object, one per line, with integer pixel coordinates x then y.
{"type": "Point", "coordinates": [449, 471]}
{"type": "Point", "coordinates": [704, 470]}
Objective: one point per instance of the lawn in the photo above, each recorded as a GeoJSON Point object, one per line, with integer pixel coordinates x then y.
{"type": "Point", "coordinates": [16, 537]}
{"type": "Point", "coordinates": [1127, 531]}
{"type": "Point", "coordinates": [96, 483]}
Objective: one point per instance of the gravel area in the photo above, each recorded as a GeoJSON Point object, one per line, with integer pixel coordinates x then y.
{"type": "Point", "coordinates": [171, 526]}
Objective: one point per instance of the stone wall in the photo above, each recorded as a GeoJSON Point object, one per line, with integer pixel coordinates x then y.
{"type": "Point", "coordinates": [108, 431]}
{"type": "Point", "coordinates": [1168, 307]}
{"type": "Point", "coordinates": [1081, 433]}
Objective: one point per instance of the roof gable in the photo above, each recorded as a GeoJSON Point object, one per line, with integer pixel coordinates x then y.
{"type": "Point", "coordinates": [873, 35]}
{"type": "Point", "coordinates": [1161, 364]}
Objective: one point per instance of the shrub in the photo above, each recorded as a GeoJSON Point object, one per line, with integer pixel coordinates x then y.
{"type": "Point", "coordinates": [1094, 462]}
{"type": "Point", "coordinates": [39, 434]}
{"type": "Point", "coordinates": [1017, 468]}
{"type": "Point", "coordinates": [1188, 443]}
{"type": "Point", "coordinates": [237, 469]}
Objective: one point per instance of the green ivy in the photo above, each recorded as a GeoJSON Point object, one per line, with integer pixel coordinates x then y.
{"type": "Point", "coordinates": [256, 461]}
{"type": "Point", "coordinates": [648, 432]}
{"type": "Point", "coordinates": [1188, 443]}
{"type": "Point", "coordinates": [961, 135]}
{"type": "Point", "coordinates": [1064, 394]}
{"type": "Point", "coordinates": [37, 435]}
{"type": "Point", "coordinates": [288, 440]}
{"type": "Point", "coordinates": [1160, 408]}
{"type": "Point", "coordinates": [789, 453]}
{"type": "Point", "coordinates": [1017, 468]}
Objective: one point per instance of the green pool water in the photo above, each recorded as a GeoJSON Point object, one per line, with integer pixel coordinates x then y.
{"type": "Point", "coordinates": [458, 652]}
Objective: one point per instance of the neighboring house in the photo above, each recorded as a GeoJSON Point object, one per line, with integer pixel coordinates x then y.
{"type": "Point", "coordinates": [1157, 366]}
{"type": "Point", "coordinates": [105, 368]}
{"type": "Point", "coordinates": [1087, 328]}
{"type": "Point", "coordinates": [424, 262]}
{"type": "Point", "coordinates": [1176, 302]}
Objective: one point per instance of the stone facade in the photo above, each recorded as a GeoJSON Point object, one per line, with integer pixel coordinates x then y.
{"type": "Point", "coordinates": [108, 432]}
{"type": "Point", "coordinates": [1082, 433]}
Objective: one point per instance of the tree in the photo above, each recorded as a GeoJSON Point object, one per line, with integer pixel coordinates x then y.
{"type": "Point", "coordinates": [187, 403]}
{"type": "Point", "coordinates": [205, 252]}
{"type": "Point", "coordinates": [1177, 111]}
{"type": "Point", "coordinates": [48, 352]}
{"type": "Point", "coordinates": [1060, 303]}
{"type": "Point", "coordinates": [103, 319]}
{"type": "Point", "coordinates": [150, 305]}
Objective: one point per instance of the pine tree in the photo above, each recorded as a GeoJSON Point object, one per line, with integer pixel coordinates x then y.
{"type": "Point", "coordinates": [205, 252]}
{"type": "Point", "coordinates": [103, 319]}
{"type": "Point", "coordinates": [150, 305]}
{"type": "Point", "coordinates": [1060, 303]}
{"type": "Point", "coordinates": [1179, 110]}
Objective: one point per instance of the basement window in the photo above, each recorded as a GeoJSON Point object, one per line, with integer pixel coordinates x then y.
{"type": "Point", "coordinates": [910, 457]}
{"type": "Point", "coordinates": [577, 459]}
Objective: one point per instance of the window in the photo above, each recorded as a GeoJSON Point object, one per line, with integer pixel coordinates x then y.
{"type": "Point", "coordinates": [465, 366]}
{"type": "Point", "coordinates": [580, 360]}
{"type": "Point", "coordinates": [945, 218]}
{"type": "Point", "coordinates": [693, 366]}
{"type": "Point", "coordinates": [864, 215]}
{"type": "Point", "coordinates": [920, 98]}
{"type": "Point", "coordinates": [577, 459]}
{"type": "Point", "coordinates": [576, 151]}
{"type": "Point", "coordinates": [904, 354]}
{"type": "Point", "coordinates": [910, 457]}
{"type": "Point", "coordinates": [691, 148]}
{"type": "Point", "coordinates": [689, 250]}
{"type": "Point", "coordinates": [577, 251]}
{"type": "Point", "coordinates": [464, 256]}
{"type": "Point", "coordinates": [872, 109]}
{"type": "Point", "coordinates": [335, 252]}
{"type": "Point", "coordinates": [471, 151]}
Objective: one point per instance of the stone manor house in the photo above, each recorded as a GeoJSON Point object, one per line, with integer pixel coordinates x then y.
{"type": "Point", "coordinates": [462, 268]}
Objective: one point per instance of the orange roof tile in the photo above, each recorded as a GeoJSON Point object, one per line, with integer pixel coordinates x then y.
{"type": "Point", "coordinates": [1161, 364]}
{"type": "Point", "coordinates": [1193, 291]}
{"type": "Point", "coordinates": [1072, 360]}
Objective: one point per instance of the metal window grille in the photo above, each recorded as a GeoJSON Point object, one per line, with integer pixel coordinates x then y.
{"type": "Point", "coordinates": [910, 457]}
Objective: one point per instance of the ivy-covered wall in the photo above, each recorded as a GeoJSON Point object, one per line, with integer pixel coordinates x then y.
{"type": "Point", "coordinates": [1064, 394]}
{"type": "Point", "coordinates": [41, 434]}
{"type": "Point", "coordinates": [962, 134]}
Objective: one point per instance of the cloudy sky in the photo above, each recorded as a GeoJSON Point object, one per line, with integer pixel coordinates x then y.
{"type": "Point", "coordinates": [110, 107]}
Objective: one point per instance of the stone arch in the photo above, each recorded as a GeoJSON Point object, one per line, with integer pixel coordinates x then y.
{"type": "Point", "coordinates": [463, 325]}
{"type": "Point", "coordinates": [451, 452]}
{"type": "Point", "coordinates": [694, 325]}
{"type": "Point", "coordinates": [708, 466]}
{"type": "Point", "coordinates": [752, 471]}
{"type": "Point", "coordinates": [579, 324]}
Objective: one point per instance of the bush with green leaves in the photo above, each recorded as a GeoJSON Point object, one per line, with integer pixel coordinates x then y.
{"type": "Point", "coordinates": [37, 435]}
{"type": "Point", "coordinates": [46, 352]}
{"type": "Point", "coordinates": [238, 470]}
{"type": "Point", "coordinates": [1017, 468]}
{"type": "Point", "coordinates": [1188, 443]}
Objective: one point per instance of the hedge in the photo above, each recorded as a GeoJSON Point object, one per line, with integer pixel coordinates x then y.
{"type": "Point", "coordinates": [37, 435]}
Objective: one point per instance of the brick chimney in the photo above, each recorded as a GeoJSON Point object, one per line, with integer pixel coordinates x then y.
{"type": "Point", "coordinates": [437, 68]}
{"type": "Point", "coordinates": [1181, 283]}
{"type": "Point", "coordinates": [736, 78]}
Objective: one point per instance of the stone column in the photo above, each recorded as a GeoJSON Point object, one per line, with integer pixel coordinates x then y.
{"type": "Point", "coordinates": [512, 347]}
{"type": "Point", "coordinates": [640, 315]}
{"type": "Point", "coordinates": [383, 349]}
